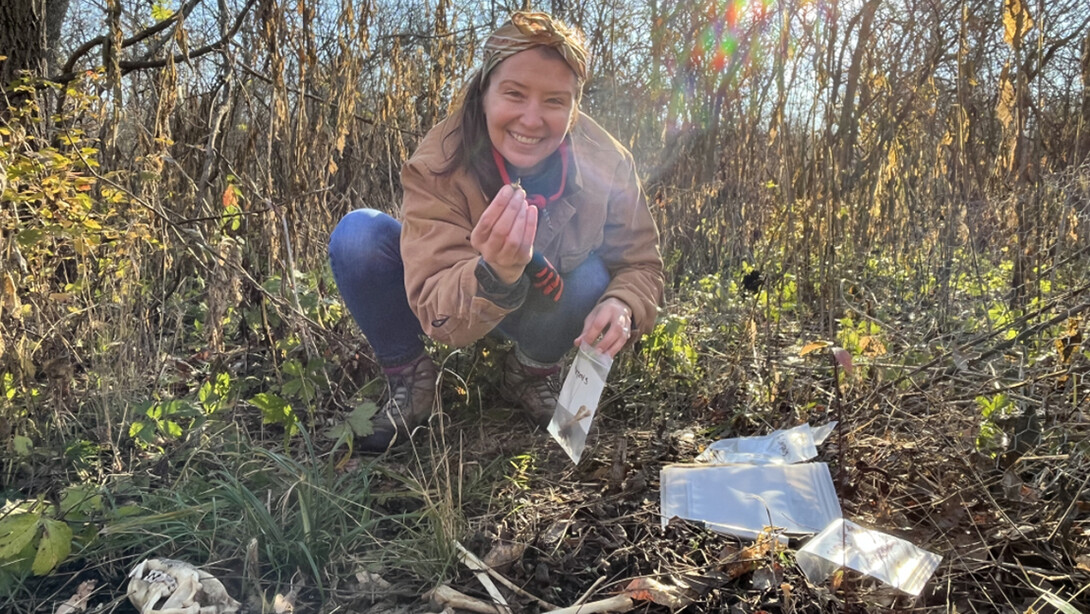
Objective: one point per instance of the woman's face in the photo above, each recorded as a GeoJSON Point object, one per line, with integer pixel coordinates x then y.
{"type": "Point", "coordinates": [528, 106]}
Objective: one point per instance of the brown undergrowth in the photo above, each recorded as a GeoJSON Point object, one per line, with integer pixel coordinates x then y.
{"type": "Point", "coordinates": [1001, 496]}
{"type": "Point", "coordinates": [968, 442]}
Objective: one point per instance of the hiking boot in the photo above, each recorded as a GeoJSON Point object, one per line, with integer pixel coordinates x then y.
{"type": "Point", "coordinates": [535, 389]}
{"type": "Point", "coordinates": [411, 403]}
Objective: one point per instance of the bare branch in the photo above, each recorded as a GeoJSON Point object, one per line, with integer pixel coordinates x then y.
{"type": "Point", "coordinates": [85, 48]}
{"type": "Point", "coordinates": [130, 66]}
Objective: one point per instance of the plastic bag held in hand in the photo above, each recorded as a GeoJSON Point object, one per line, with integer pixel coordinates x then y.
{"type": "Point", "coordinates": [578, 400]}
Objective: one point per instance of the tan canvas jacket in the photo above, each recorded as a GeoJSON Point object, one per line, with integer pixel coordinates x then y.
{"type": "Point", "coordinates": [603, 211]}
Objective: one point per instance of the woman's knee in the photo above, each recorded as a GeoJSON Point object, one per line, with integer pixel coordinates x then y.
{"type": "Point", "coordinates": [586, 284]}
{"type": "Point", "coordinates": [363, 236]}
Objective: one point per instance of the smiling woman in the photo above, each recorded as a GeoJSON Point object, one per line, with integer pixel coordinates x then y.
{"type": "Point", "coordinates": [529, 106]}
{"type": "Point", "coordinates": [521, 218]}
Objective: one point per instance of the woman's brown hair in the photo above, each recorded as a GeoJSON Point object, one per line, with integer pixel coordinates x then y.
{"type": "Point", "coordinates": [473, 148]}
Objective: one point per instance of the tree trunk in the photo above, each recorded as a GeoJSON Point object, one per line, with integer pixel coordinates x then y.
{"type": "Point", "coordinates": [29, 29]}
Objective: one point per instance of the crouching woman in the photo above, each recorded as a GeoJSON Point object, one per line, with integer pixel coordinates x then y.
{"type": "Point", "coordinates": [521, 217]}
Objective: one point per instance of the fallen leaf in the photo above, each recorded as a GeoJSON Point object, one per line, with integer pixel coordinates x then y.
{"type": "Point", "coordinates": [871, 346]}
{"type": "Point", "coordinates": [838, 579]}
{"type": "Point", "coordinates": [503, 554]}
{"type": "Point", "coordinates": [747, 559]}
{"type": "Point", "coordinates": [230, 197]}
{"type": "Point", "coordinates": [556, 532]}
{"type": "Point", "coordinates": [284, 604]}
{"type": "Point", "coordinates": [1083, 562]}
{"type": "Point", "coordinates": [650, 589]}
{"type": "Point", "coordinates": [78, 601]}
{"type": "Point", "coordinates": [9, 298]}
{"type": "Point", "coordinates": [371, 582]}
{"type": "Point", "coordinates": [813, 346]}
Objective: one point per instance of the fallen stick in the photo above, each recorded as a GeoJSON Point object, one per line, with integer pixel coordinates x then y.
{"type": "Point", "coordinates": [444, 595]}
{"type": "Point", "coordinates": [480, 570]}
{"type": "Point", "coordinates": [589, 591]}
{"type": "Point", "coordinates": [477, 564]}
{"type": "Point", "coordinates": [617, 603]}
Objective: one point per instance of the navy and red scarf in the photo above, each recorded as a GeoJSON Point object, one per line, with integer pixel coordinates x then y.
{"type": "Point", "coordinates": [554, 175]}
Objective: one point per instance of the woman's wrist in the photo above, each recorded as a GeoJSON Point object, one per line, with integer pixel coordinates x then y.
{"type": "Point", "coordinates": [508, 275]}
{"type": "Point", "coordinates": [495, 288]}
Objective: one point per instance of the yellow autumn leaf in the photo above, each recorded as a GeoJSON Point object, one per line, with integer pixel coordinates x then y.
{"type": "Point", "coordinates": [871, 346]}
{"type": "Point", "coordinates": [813, 346]}
{"type": "Point", "coordinates": [9, 299]}
{"type": "Point", "coordinates": [1004, 110]}
{"type": "Point", "coordinates": [1016, 22]}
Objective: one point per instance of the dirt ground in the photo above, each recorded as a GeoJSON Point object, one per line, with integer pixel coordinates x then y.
{"type": "Point", "coordinates": [1013, 529]}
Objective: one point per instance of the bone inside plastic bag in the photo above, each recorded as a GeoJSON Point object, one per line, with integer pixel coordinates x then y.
{"type": "Point", "coordinates": [578, 400]}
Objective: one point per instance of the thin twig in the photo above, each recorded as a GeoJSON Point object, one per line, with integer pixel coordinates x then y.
{"type": "Point", "coordinates": [1070, 507]}
{"type": "Point", "coordinates": [590, 591]}
{"type": "Point", "coordinates": [480, 570]}
{"type": "Point", "coordinates": [332, 105]}
{"type": "Point", "coordinates": [472, 561]}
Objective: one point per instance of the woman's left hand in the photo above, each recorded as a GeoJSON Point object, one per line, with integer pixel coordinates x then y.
{"type": "Point", "coordinates": [607, 327]}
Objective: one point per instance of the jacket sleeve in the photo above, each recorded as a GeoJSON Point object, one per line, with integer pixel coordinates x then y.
{"type": "Point", "coordinates": [440, 261]}
{"type": "Point", "coordinates": [630, 249]}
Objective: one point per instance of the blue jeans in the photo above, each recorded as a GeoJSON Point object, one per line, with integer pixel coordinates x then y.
{"type": "Point", "coordinates": [365, 254]}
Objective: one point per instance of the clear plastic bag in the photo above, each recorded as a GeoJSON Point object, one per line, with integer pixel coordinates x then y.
{"type": "Point", "coordinates": [788, 446]}
{"type": "Point", "coordinates": [742, 500]}
{"type": "Point", "coordinates": [578, 400]}
{"type": "Point", "coordinates": [878, 555]}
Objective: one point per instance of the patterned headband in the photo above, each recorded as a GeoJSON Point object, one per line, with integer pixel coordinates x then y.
{"type": "Point", "coordinates": [529, 29]}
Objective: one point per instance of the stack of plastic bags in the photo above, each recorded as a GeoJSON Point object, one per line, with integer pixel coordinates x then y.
{"type": "Point", "coordinates": [744, 485]}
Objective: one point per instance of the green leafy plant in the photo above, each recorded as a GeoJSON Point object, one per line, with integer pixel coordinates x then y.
{"type": "Point", "coordinates": [31, 541]}
{"type": "Point", "coordinates": [669, 348]}
{"type": "Point", "coordinates": [862, 338]}
{"type": "Point", "coordinates": [162, 420]}
{"type": "Point", "coordinates": [991, 439]}
{"type": "Point", "coordinates": [356, 424]}
{"type": "Point", "coordinates": [522, 468]}
{"type": "Point", "coordinates": [275, 410]}
{"type": "Point", "coordinates": [303, 381]}
{"type": "Point", "coordinates": [215, 394]}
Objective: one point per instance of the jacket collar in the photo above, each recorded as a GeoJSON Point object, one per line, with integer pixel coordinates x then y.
{"type": "Point", "coordinates": [558, 213]}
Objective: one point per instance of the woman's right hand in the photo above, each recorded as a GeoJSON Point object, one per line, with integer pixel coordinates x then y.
{"type": "Point", "coordinates": [505, 233]}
